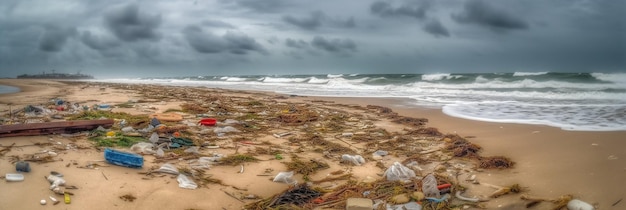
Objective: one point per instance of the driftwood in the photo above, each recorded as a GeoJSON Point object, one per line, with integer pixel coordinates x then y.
{"type": "Point", "coordinates": [33, 129]}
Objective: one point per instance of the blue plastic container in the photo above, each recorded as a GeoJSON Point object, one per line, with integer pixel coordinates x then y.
{"type": "Point", "coordinates": [123, 158]}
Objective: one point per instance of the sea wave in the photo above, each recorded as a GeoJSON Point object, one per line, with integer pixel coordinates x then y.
{"type": "Point", "coordinates": [522, 74]}
{"type": "Point", "coordinates": [234, 79]}
{"type": "Point", "coordinates": [572, 101]}
{"type": "Point", "coordinates": [315, 80]}
{"type": "Point", "coordinates": [617, 78]}
{"type": "Point", "coordinates": [284, 80]}
{"type": "Point", "coordinates": [439, 76]}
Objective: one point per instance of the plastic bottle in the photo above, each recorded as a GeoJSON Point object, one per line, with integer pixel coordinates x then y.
{"type": "Point", "coordinates": [429, 186]}
{"type": "Point", "coordinates": [22, 166]}
{"type": "Point", "coordinates": [14, 177]}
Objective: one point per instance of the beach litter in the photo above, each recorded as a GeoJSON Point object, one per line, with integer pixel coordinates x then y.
{"type": "Point", "coordinates": [123, 158]}
{"type": "Point", "coordinates": [185, 182]}
{"type": "Point", "coordinates": [307, 137]}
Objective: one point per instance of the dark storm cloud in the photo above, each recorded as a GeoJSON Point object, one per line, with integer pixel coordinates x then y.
{"type": "Point", "coordinates": [239, 43]}
{"type": "Point", "coordinates": [203, 42]}
{"type": "Point", "coordinates": [434, 27]}
{"type": "Point", "coordinates": [308, 23]}
{"type": "Point", "coordinates": [96, 42]}
{"type": "Point", "coordinates": [217, 24]}
{"type": "Point", "coordinates": [235, 43]}
{"type": "Point", "coordinates": [54, 38]}
{"type": "Point", "coordinates": [263, 6]}
{"type": "Point", "coordinates": [128, 24]}
{"type": "Point", "coordinates": [318, 18]}
{"type": "Point", "coordinates": [385, 9]}
{"type": "Point", "coordinates": [296, 43]}
{"type": "Point", "coordinates": [334, 45]}
{"type": "Point", "coordinates": [480, 13]}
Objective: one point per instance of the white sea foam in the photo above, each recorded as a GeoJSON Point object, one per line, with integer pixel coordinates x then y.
{"type": "Point", "coordinates": [334, 75]}
{"type": "Point", "coordinates": [521, 74]}
{"type": "Point", "coordinates": [434, 77]}
{"type": "Point", "coordinates": [617, 78]}
{"type": "Point", "coordinates": [234, 79]}
{"type": "Point", "coordinates": [283, 80]}
{"type": "Point", "coordinates": [315, 80]}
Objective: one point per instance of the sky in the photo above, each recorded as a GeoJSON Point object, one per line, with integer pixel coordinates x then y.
{"type": "Point", "coordinates": [163, 38]}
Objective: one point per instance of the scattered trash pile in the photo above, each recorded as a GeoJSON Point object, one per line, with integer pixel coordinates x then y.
{"type": "Point", "coordinates": [419, 166]}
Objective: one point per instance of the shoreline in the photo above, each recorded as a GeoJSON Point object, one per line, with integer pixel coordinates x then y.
{"type": "Point", "coordinates": [550, 161]}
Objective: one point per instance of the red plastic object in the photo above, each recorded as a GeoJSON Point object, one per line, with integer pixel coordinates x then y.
{"type": "Point", "coordinates": [208, 121]}
{"type": "Point", "coordinates": [444, 186]}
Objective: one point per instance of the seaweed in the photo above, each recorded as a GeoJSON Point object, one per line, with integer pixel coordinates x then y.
{"type": "Point", "coordinates": [135, 120]}
{"type": "Point", "coordinates": [193, 108]}
{"type": "Point", "coordinates": [495, 162]}
{"type": "Point", "coordinates": [119, 140]}
{"type": "Point", "coordinates": [237, 159]}
{"type": "Point", "coordinates": [305, 168]}
{"type": "Point", "coordinates": [461, 147]}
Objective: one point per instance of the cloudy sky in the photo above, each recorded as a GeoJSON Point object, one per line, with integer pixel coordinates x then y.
{"type": "Point", "coordinates": [238, 37]}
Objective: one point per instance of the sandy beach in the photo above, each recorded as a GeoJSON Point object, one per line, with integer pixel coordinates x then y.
{"type": "Point", "coordinates": [550, 162]}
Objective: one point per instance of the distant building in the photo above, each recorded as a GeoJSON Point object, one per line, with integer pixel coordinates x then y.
{"type": "Point", "coordinates": [55, 75]}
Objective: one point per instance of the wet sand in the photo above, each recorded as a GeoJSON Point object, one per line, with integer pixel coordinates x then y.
{"type": "Point", "coordinates": [550, 162]}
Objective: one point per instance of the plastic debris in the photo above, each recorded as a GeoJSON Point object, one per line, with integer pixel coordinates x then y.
{"type": "Point", "coordinates": [429, 186]}
{"type": "Point", "coordinates": [354, 159]}
{"type": "Point", "coordinates": [55, 181]}
{"type": "Point", "coordinates": [123, 158]}
{"type": "Point", "coordinates": [285, 177]}
{"type": "Point", "coordinates": [185, 182]}
{"type": "Point", "coordinates": [14, 177]}
{"type": "Point", "coordinates": [143, 148]}
{"type": "Point", "coordinates": [154, 137]}
{"type": "Point", "coordinates": [168, 168]}
{"type": "Point", "coordinates": [227, 129]}
{"type": "Point", "coordinates": [397, 171]}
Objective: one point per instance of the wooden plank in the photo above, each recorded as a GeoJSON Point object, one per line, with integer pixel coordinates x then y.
{"type": "Point", "coordinates": [31, 129]}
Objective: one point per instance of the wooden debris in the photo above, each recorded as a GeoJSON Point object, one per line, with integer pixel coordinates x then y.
{"type": "Point", "coordinates": [33, 129]}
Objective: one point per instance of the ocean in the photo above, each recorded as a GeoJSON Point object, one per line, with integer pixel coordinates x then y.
{"type": "Point", "coordinates": [8, 89]}
{"type": "Point", "coordinates": [570, 101]}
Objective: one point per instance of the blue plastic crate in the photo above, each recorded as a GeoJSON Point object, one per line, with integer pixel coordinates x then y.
{"type": "Point", "coordinates": [123, 158]}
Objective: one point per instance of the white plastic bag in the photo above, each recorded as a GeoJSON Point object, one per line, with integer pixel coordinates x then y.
{"type": "Point", "coordinates": [202, 162]}
{"type": "Point", "coordinates": [154, 138]}
{"type": "Point", "coordinates": [160, 152]}
{"type": "Point", "coordinates": [193, 149]}
{"type": "Point", "coordinates": [168, 168]}
{"type": "Point", "coordinates": [399, 172]}
{"type": "Point", "coordinates": [226, 129]}
{"type": "Point", "coordinates": [285, 177]}
{"type": "Point", "coordinates": [55, 181]}
{"type": "Point", "coordinates": [142, 148]}
{"type": "Point", "coordinates": [185, 182]}
{"type": "Point", "coordinates": [354, 159]}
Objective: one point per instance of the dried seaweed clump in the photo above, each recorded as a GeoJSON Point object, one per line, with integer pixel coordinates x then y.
{"type": "Point", "coordinates": [237, 159]}
{"type": "Point", "coordinates": [461, 147]}
{"type": "Point", "coordinates": [427, 131]}
{"type": "Point", "coordinates": [305, 168]}
{"type": "Point", "coordinates": [495, 162]}
{"type": "Point", "coordinates": [128, 197]}
{"type": "Point", "coordinates": [382, 110]}
{"type": "Point", "coordinates": [297, 118]}
{"type": "Point", "coordinates": [193, 108]}
{"type": "Point", "coordinates": [298, 197]}
{"type": "Point", "coordinates": [410, 121]}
